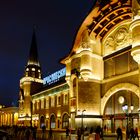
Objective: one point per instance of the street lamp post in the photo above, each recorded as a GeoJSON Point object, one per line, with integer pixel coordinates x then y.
{"type": "Point", "coordinates": [82, 123]}
{"type": "Point", "coordinates": [126, 110]}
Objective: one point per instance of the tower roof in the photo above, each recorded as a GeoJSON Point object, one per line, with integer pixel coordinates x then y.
{"type": "Point", "coordinates": [33, 54]}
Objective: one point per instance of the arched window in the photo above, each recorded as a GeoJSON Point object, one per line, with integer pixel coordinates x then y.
{"type": "Point", "coordinates": [42, 121]}
{"type": "Point", "coordinates": [52, 121]}
{"type": "Point", "coordinates": [65, 121]}
{"type": "Point", "coordinates": [65, 99]}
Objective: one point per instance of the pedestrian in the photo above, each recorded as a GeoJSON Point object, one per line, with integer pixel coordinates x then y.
{"type": "Point", "coordinates": [127, 133]}
{"type": "Point", "coordinates": [27, 133]}
{"type": "Point", "coordinates": [91, 130]}
{"type": "Point", "coordinates": [79, 133]}
{"type": "Point", "coordinates": [34, 129]}
{"type": "Point", "coordinates": [119, 133]}
{"type": "Point", "coordinates": [43, 128]}
{"type": "Point", "coordinates": [98, 132]}
{"type": "Point", "coordinates": [43, 131]}
{"type": "Point", "coordinates": [105, 128]}
{"type": "Point", "coordinates": [136, 133]}
{"type": "Point", "coordinates": [101, 134]}
{"type": "Point", "coordinates": [67, 132]}
{"type": "Point", "coordinates": [132, 134]}
{"type": "Point", "coordinates": [50, 133]}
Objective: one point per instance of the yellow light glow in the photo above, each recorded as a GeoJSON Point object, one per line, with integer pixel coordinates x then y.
{"type": "Point", "coordinates": [136, 54]}
{"type": "Point", "coordinates": [87, 112]}
{"type": "Point", "coordinates": [58, 114]}
{"type": "Point", "coordinates": [33, 69]}
{"type": "Point", "coordinates": [72, 109]}
{"type": "Point", "coordinates": [47, 116]}
{"type": "Point", "coordinates": [83, 49]}
{"type": "Point", "coordinates": [137, 17]}
{"type": "Point", "coordinates": [87, 121]}
{"type": "Point", "coordinates": [35, 118]}
{"type": "Point", "coordinates": [21, 119]}
{"type": "Point", "coordinates": [30, 79]}
{"type": "Point", "coordinates": [16, 114]}
{"type": "Point", "coordinates": [134, 24]}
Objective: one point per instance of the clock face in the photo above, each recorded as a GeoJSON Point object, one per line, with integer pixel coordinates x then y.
{"type": "Point", "coordinates": [121, 99]}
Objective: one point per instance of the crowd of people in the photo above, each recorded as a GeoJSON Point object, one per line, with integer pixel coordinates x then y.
{"type": "Point", "coordinates": [21, 131]}
{"type": "Point", "coordinates": [131, 133]}
{"type": "Point", "coordinates": [85, 132]}
{"type": "Point", "coordinates": [30, 133]}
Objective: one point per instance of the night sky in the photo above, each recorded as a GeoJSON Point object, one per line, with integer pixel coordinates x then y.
{"type": "Point", "coordinates": [57, 23]}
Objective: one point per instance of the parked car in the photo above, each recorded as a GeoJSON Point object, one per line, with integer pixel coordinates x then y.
{"type": "Point", "coordinates": [4, 135]}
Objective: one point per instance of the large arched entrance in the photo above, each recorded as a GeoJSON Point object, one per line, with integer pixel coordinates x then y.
{"type": "Point", "coordinates": [121, 107]}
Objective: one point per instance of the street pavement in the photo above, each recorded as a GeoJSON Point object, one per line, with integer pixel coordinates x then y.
{"type": "Point", "coordinates": [62, 136]}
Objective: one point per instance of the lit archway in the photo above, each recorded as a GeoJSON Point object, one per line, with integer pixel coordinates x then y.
{"type": "Point", "coordinates": [121, 86]}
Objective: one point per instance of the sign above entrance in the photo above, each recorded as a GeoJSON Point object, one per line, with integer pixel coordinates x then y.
{"type": "Point", "coordinates": [54, 77]}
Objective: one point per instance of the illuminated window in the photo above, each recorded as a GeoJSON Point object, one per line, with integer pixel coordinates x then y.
{"type": "Point", "coordinates": [52, 101]}
{"type": "Point", "coordinates": [42, 103]}
{"type": "Point", "coordinates": [33, 69]}
{"type": "Point", "coordinates": [47, 103]}
{"type": "Point", "coordinates": [59, 100]}
{"type": "Point", "coordinates": [52, 120]}
{"type": "Point", "coordinates": [42, 121]}
{"type": "Point", "coordinates": [65, 121]}
{"type": "Point", "coordinates": [39, 75]}
{"type": "Point", "coordinates": [27, 69]}
{"type": "Point", "coordinates": [65, 100]}
{"type": "Point", "coordinates": [38, 105]}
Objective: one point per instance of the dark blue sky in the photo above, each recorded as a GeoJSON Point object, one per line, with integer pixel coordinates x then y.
{"type": "Point", "coordinates": [57, 24]}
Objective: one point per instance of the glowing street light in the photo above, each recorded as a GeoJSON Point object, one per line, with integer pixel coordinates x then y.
{"type": "Point", "coordinates": [126, 110]}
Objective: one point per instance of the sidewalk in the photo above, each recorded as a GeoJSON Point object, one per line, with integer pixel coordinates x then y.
{"type": "Point", "coordinates": [62, 136]}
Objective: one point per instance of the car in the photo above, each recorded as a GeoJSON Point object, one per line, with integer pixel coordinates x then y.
{"type": "Point", "coordinates": [4, 135]}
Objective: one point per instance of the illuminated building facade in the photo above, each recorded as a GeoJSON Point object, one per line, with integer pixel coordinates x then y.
{"type": "Point", "coordinates": [8, 116]}
{"type": "Point", "coordinates": [102, 74]}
